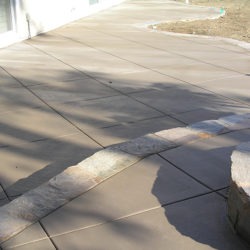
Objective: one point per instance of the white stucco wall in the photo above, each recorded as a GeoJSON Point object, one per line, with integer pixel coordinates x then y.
{"type": "Point", "coordinates": [31, 17]}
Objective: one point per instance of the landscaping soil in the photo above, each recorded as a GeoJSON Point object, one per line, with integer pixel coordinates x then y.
{"type": "Point", "coordinates": [234, 24]}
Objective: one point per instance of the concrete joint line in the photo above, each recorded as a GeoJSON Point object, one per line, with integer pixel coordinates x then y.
{"type": "Point", "coordinates": [76, 180]}
{"type": "Point", "coordinates": [239, 193]}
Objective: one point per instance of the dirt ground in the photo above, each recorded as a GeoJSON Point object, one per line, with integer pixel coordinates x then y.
{"type": "Point", "coordinates": [235, 24]}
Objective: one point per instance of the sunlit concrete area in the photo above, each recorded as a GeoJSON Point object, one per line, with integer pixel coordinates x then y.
{"type": "Point", "coordinates": [105, 79]}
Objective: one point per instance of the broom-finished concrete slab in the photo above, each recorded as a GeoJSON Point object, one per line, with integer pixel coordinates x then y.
{"type": "Point", "coordinates": [7, 80]}
{"type": "Point", "coordinates": [130, 130]}
{"type": "Point", "coordinates": [75, 90]}
{"type": "Point", "coordinates": [122, 48]}
{"type": "Point", "coordinates": [12, 99]}
{"type": "Point", "coordinates": [31, 235]}
{"type": "Point", "coordinates": [75, 180]}
{"type": "Point", "coordinates": [215, 111]}
{"type": "Point", "coordinates": [2, 195]}
{"type": "Point", "coordinates": [199, 223]}
{"type": "Point", "coordinates": [208, 161]}
{"type": "Point", "coordinates": [171, 185]}
{"type": "Point", "coordinates": [32, 124]}
{"type": "Point", "coordinates": [105, 112]}
{"type": "Point", "coordinates": [228, 88]}
{"type": "Point", "coordinates": [142, 81]}
{"type": "Point", "coordinates": [28, 165]}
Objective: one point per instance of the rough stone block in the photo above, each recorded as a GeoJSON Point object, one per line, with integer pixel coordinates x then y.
{"type": "Point", "coordinates": [107, 162]}
{"type": "Point", "coordinates": [240, 169]}
{"type": "Point", "coordinates": [145, 145]}
{"type": "Point", "coordinates": [10, 224]}
{"type": "Point", "coordinates": [180, 136]}
{"type": "Point", "coordinates": [75, 180]}
{"type": "Point", "coordinates": [239, 194]}
{"type": "Point", "coordinates": [212, 127]}
{"type": "Point", "coordinates": [72, 181]}
{"type": "Point", "coordinates": [239, 211]}
{"type": "Point", "coordinates": [37, 203]}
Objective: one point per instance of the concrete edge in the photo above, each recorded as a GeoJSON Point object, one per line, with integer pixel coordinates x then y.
{"type": "Point", "coordinates": [241, 44]}
{"type": "Point", "coordinates": [76, 180]}
{"type": "Point", "coordinates": [239, 192]}
{"type": "Point", "coordinates": [145, 25]}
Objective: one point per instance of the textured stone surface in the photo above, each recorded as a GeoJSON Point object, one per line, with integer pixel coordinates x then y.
{"type": "Point", "coordinates": [240, 168]}
{"type": "Point", "coordinates": [31, 164]}
{"type": "Point", "coordinates": [81, 49]}
{"type": "Point", "coordinates": [239, 194]}
{"type": "Point", "coordinates": [145, 145]}
{"type": "Point", "coordinates": [180, 135]}
{"type": "Point", "coordinates": [33, 205]}
{"type": "Point", "coordinates": [72, 181]}
{"type": "Point", "coordinates": [75, 180]}
{"type": "Point", "coordinates": [11, 224]}
{"type": "Point", "coordinates": [213, 127]}
{"type": "Point", "coordinates": [239, 211]}
{"type": "Point", "coordinates": [106, 163]}
{"type": "Point", "coordinates": [149, 183]}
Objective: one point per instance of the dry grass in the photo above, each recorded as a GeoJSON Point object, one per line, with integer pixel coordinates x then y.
{"type": "Point", "coordinates": [235, 24]}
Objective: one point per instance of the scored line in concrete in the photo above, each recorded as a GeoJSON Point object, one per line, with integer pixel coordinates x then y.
{"type": "Point", "coordinates": [185, 172]}
{"type": "Point", "coordinates": [148, 68]}
{"type": "Point", "coordinates": [76, 180]}
{"type": "Point", "coordinates": [147, 45]}
{"type": "Point", "coordinates": [53, 109]}
{"type": "Point", "coordinates": [50, 238]}
{"type": "Point", "coordinates": [124, 94]}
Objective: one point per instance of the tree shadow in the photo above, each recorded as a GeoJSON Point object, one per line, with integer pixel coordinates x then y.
{"type": "Point", "coordinates": [203, 218]}
{"type": "Point", "coordinates": [106, 109]}
{"type": "Point", "coordinates": [77, 112]}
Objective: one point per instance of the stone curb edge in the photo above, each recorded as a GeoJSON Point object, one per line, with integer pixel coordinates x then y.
{"type": "Point", "coordinates": [239, 192]}
{"type": "Point", "coordinates": [76, 180]}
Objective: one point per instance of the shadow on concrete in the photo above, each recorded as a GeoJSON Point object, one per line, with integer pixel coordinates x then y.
{"type": "Point", "coordinates": [33, 151]}
{"type": "Point", "coordinates": [34, 148]}
{"type": "Point", "coordinates": [204, 218]}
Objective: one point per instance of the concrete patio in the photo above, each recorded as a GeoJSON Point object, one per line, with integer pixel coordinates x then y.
{"type": "Point", "coordinates": [106, 79]}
